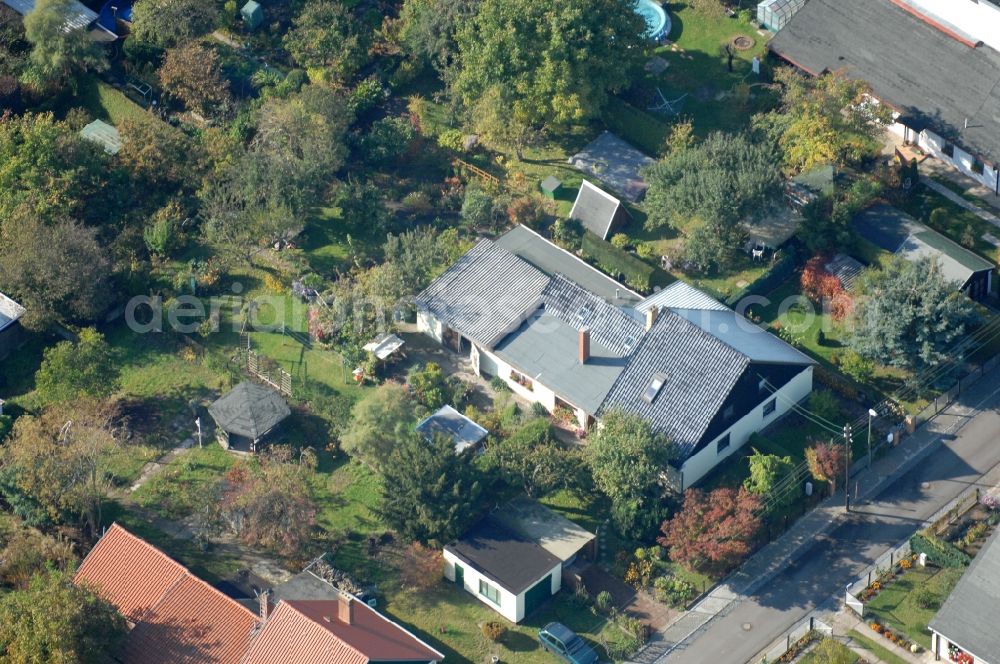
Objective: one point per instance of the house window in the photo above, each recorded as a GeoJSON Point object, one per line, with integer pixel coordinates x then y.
{"type": "Point", "coordinates": [727, 414]}
{"type": "Point", "coordinates": [770, 407]}
{"type": "Point", "coordinates": [723, 443]}
{"type": "Point", "coordinates": [522, 380]}
{"type": "Point", "coordinates": [977, 167]}
{"type": "Point", "coordinates": [948, 150]}
{"type": "Point", "coordinates": [762, 385]}
{"type": "Point", "coordinates": [489, 592]}
{"type": "Point", "coordinates": [654, 387]}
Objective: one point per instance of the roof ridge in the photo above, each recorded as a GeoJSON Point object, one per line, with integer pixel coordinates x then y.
{"type": "Point", "coordinates": [593, 186]}
{"type": "Point", "coordinates": [315, 625]}
{"type": "Point", "coordinates": [216, 592]}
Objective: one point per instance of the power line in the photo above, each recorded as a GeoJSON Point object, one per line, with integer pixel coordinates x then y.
{"type": "Point", "coordinates": [815, 418]}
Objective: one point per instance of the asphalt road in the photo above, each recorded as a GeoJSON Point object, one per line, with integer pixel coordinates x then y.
{"type": "Point", "coordinates": [874, 527]}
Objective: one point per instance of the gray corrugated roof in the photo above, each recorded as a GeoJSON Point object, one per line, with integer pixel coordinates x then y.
{"type": "Point", "coordinates": [512, 561]}
{"type": "Point", "coordinates": [846, 269]}
{"type": "Point", "coordinates": [700, 372]}
{"type": "Point", "coordinates": [104, 134]}
{"type": "Point", "coordinates": [935, 81]}
{"type": "Point", "coordinates": [969, 616]}
{"type": "Point", "coordinates": [552, 260]}
{"type": "Point", "coordinates": [893, 230]}
{"type": "Point", "coordinates": [609, 325]}
{"type": "Point", "coordinates": [545, 349]}
{"type": "Point", "coordinates": [80, 16]}
{"type": "Point", "coordinates": [742, 335]}
{"type": "Point", "coordinates": [595, 209]}
{"type": "Point", "coordinates": [485, 294]}
{"type": "Point", "coordinates": [10, 311]}
{"type": "Point", "coordinates": [249, 410]}
{"type": "Point", "coordinates": [456, 426]}
{"type": "Point", "coordinates": [679, 295]}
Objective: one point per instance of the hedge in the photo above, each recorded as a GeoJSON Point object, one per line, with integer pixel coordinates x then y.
{"type": "Point", "coordinates": [635, 272]}
{"type": "Point", "coordinates": [643, 130]}
{"type": "Point", "coordinates": [939, 552]}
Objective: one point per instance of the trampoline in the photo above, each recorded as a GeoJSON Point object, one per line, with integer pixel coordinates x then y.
{"type": "Point", "coordinates": [657, 21]}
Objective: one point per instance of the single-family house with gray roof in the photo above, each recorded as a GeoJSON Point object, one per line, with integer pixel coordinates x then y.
{"type": "Point", "coordinates": [699, 372]}
{"type": "Point", "coordinates": [966, 621]}
{"type": "Point", "coordinates": [598, 211]}
{"type": "Point", "coordinates": [895, 231]}
{"type": "Point", "coordinates": [11, 334]}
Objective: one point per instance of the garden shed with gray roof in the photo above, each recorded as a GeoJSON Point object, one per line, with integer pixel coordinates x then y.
{"type": "Point", "coordinates": [246, 415]}
{"type": "Point", "coordinates": [598, 211]}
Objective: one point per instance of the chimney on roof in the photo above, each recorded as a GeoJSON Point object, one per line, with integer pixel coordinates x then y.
{"type": "Point", "coordinates": [651, 315]}
{"type": "Point", "coordinates": [345, 608]}
{"type": "Point", "coordinates": [264, 597]}
{"type": "Point", "coordinates": [584, 345]}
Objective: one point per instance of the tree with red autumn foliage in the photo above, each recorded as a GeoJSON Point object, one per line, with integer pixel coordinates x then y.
{"type": "Point", "coordinates": [420, 566]}
{"type": "Point", "coordinates": [820, 286]}
{"type": "Point", "coordinates": [826, 463]}
{"type": "Point", "coordinates": [712, 532]}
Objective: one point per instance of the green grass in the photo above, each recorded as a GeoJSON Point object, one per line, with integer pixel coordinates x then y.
{"type": "Point", "coordinates": [111, 105]}
{"type": "Point", "coordinates": [644, 130]}
{"type": "Point", "coordinates": [876, 649]}
{"type": "Point", "coordinates": [896, 606]}
{"type": "Point", "coordinates": [347, 494]}
{"type": "Point", "coordinates": [186, 483]}
{"type": "Point", "coordinates": [841, 652]}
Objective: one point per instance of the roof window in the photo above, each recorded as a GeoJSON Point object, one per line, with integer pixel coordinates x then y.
{"type": "Point", "coordinates": [654, 387]}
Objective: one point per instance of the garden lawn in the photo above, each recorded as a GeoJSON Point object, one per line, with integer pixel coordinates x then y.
{"type": "Point", "coordinates": [960, 224]}
{"type": "Point", "coordinates": [186, 483]}
{"type": "Point", "coordinates": [897, 608]}
{"type": "Point", "coordinates": [876, 648]}
{"type": "Point", "coordinates": [450, 619]}
{"type": "Point", "coordinates": [842, 654]}
{"type": "Point", "coordinates": [107, 103]}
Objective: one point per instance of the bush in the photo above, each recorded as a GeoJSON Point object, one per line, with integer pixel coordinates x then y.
{"type": "Point", "coordinates": [939, 552]}
{"type": "Point", "coordinates": [857, 367]}
{"type": "Point", "coordinates": [568, 233]}
{"type": "Point", "coordinates": [499, 384]}
{"type": "Point", "coordinates": [646, 251]}
{"type": "Point", "coordinates": [539, 410]}
{"type": "Point", "coordinates": [824, 404]}
{"type": "Point", "coordinates": [634, 272]}
{"type": "Point", "coordinates": [493, 630]}
{"type": "Point", "coordinates": [604, 600]}
{"type": "Point", "coordinates": [620, 241]}
{"type": "Point", "coordinates": [925, 599]}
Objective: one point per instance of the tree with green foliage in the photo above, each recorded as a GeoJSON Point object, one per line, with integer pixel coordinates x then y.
{"type": "Point", "coordinates": [766, 470]}
{"type": "Point", "coordinates": [627, 458]}
{"type": "Point", "coordinates": [71, 370]}
{"type": "Point", "coordinates": [387, 140]}
{"type": "Point", "coordinates": [56, 621]}
{"type": "Point", "coordinates": [828, 119]}
{"type": "Point", "coordinates": [826, 222]}
{"type": "Point", "coordinates": [550, 63]}
{"type": "Point", "coordinates": [909, 315]}
{"type": "Point", "coordinates": [27, 551]}
{"type": "Point", "coordinates": [325, 41]}
{"type": "Point", "coordinates": [57, 270]}
{"type": "Point", "coordinates": [58, 52]}
{"type": "Point", "coordinates": [429, 493]}
{"type": "Point", "coordinates": [59, 461]}
{"type": "Point", "coordinates": [429, 385]}
{"type": "Point", "coordinates": [427, 29]}
{"type": "Point", "coordinates": [531, 460]}
{"type": "Point", "coordinates": [482, 210]}
{"type": "Point", "coordinates": [379, 420]}
{"type": "Point", "coordinates": [169, 23]}
{"type": "Point", "coordinates": [362, 207]}
{"type": "Point", "coordinates": [718, 183]}
{"type": "Point", "coordinates": [192, 73]}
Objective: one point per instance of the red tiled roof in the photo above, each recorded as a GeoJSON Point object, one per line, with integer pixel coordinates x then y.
{"type": "Point", "coordinates": [179, 619]}
{"type": "Point", "coordinates": [310, 632]}
{"type": "Point", "coordinates": [193, 623]}
{"type": "Point", "coordinates": [129, 572]}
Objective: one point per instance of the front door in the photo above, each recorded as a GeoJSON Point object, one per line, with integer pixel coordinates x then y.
{"type": "Point", "coordinates": [459, 576]}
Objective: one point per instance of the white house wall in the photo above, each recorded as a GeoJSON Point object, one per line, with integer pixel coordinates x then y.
{"type": "Point", "coordinates": [490, 363]}
{"type": "Point", "coordinates": [933, 144]}
{"type": "Point", "coordinates": [940, 643]}
{"type": "Point", "coordinates": [511, 606]}
{"type": "Point", "coordinates": [429, 325]}
{"type": "Point", "coordinates": [797, 389]}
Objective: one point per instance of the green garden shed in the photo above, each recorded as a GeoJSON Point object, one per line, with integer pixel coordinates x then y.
{"type": "Point", "coordinates": [253, 15]}
{"type": "Point", "coordinates": [551, 187]}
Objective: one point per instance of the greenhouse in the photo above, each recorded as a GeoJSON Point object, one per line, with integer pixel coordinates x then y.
{"type": "Point", "coordinates": [774, 14]}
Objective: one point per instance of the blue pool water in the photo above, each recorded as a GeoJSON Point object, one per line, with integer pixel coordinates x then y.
{"type": "Point", "coordinates": [657, 23]}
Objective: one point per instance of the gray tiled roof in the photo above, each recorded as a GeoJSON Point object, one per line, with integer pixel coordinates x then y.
{"type": "Point", "coordinates": [579, 308]}
{"type": "Point", "coordinates": [739, 333]}
{"type": "Point", "coordinates": [249, 410]}
{"type": "Point", "coordinates": [679, 295]}
{"type": "Point", "coordinates": [935, 81]}
{"type": "Point", "coordinates": [968, 616]}
{"type": "Point", "coordinates": [700, 372]}
{"type": "Point", "coordinates": [487, 293]}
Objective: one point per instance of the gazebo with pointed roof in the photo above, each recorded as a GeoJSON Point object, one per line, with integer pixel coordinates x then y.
{"type": "Point", "coordinates": [246, 415]}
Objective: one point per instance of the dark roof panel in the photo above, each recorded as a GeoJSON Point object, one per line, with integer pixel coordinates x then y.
{"type": "Point", "coordinates": [249, 410]}
{"type": "Point", "coordinates": [514, 562]}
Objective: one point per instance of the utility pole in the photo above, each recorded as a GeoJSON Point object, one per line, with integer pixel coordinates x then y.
{"type": "Point", "coordinates": [872, 414]}
{"type": "Point", "coordinates": [847, 467]}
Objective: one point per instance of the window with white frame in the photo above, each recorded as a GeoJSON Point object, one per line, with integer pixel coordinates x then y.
{"type": "Point", "coordinates": [489, 592]}
{"type": "Point", "coordinates": [770, 407]}
{"type": "Point", "coordinates": [723, 443]}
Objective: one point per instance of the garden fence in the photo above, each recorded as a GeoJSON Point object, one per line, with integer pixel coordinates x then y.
{"type": "Point", "coordinates": [785, 642]}
{"type": "Point", "coordinates": [946, 399]}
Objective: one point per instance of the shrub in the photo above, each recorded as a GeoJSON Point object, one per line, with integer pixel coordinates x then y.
{"type": "Point", "coordinates": [417, 202]}
{"type": "Point", "coordinates": [857, 367]}
{"type": "Point", "coordinates": [604, 600]}
{"type": "Point", "coordinates": [494, 630]}
{"type": "Point", "coordinates": [539, 410]}
{"type": "Point", "coordinates": [620, 241]}
{"type": "Point", "coordinates": [499, 384]}
{"type": "Point", "coordinates": [452, 139]}
{"type": "Point", "coordinates": [925, 599]}
{"type": "Point", "coordinates": [824, 404]}
{"type": "Point", "coordinates": [939, 552]}
{"type": "Point", "coordinates": [635, 272]}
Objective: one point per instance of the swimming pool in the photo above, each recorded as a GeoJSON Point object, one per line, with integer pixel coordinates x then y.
{"type": "Point", "coordinates": [657, 21]}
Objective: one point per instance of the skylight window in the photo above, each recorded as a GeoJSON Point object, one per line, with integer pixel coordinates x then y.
{"type": "Point", "coordinates": [583, 314]}
{"type": "Point", "coordinates": [654, 387]}
{"type": "Point", "coordinates": [630, 342]}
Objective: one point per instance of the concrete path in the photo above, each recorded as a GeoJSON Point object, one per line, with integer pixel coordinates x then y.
{"type": "Point", "coordinates": [959, 200]}
{"type": "Point", "coordinates": [153, 468]}
{"type": "Point", "coordinates": [786, 580]}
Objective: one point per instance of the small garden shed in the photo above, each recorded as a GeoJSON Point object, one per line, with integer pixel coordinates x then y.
{"type": "Point", "coordinates": [252, 14]}
{"type": "Point", "coordinates": [246, 415]}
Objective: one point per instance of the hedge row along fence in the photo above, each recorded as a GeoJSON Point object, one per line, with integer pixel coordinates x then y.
{"type": "Point", "coordinates": [939, 552]}
{"type": "Point", "coordinates": [643, 130]}
{"type": "Point", "coordinates": [620, 264]}
{"type": "Point", "coordinates": [794, 257]}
